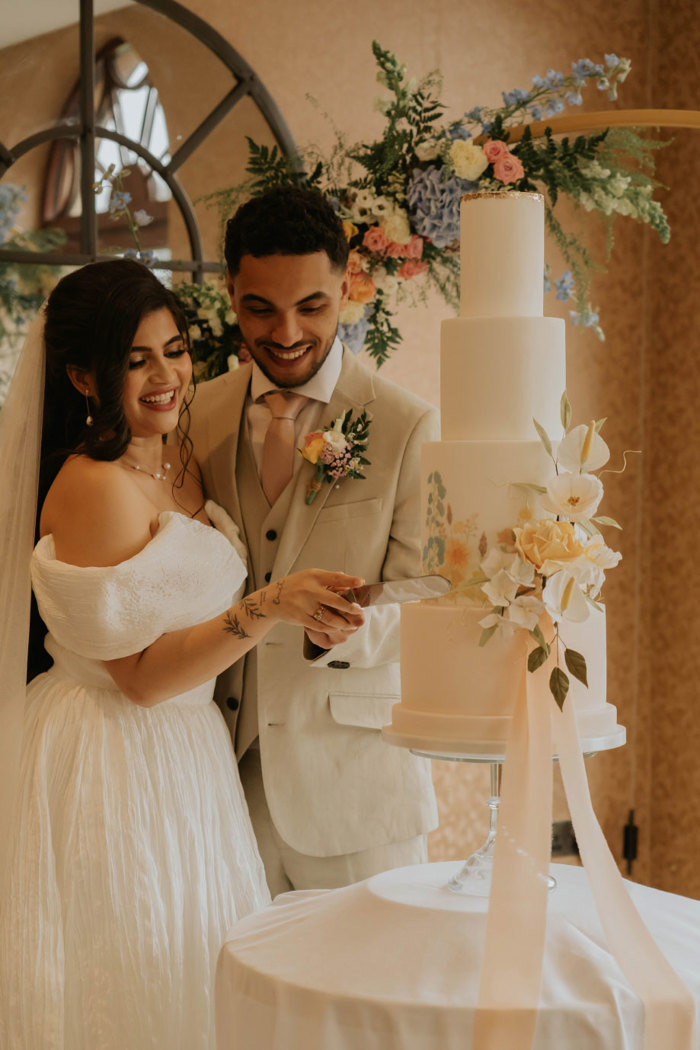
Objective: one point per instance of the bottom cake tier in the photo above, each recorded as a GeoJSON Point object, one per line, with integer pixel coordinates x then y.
{"type": "Point", "coordinates": [458, 698]}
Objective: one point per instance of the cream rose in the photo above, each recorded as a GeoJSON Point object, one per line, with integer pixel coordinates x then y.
{"type": "Point", "coordinates": [396, 226]}
{"type": "Point", "coordinates": [352, 313]}
{"type": "Point", "coordinates": [548, 541]}
{"type": "Point", "coordinates": [468, 159]}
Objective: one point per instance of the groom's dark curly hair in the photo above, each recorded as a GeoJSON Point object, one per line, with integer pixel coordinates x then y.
{"type": "Point", "coordinates": [287, 220]}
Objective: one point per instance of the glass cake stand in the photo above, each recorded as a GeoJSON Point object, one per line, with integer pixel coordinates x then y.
{"type": "Point", "coordinates": [474, 877]}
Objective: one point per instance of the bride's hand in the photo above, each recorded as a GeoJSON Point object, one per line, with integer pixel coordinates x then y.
{"type": "Point", "coordinates": [309, 598]}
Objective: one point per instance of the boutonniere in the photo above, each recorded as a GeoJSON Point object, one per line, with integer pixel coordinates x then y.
{"type": "Point", "coordinates": [337, 451]}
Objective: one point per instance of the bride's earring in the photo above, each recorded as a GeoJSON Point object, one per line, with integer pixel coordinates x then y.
{"type": "Point", "coordinates": [88, 419]}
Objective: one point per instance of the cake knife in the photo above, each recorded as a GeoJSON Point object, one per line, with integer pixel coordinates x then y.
{"type": "Point", "coordinates": [397, 591]}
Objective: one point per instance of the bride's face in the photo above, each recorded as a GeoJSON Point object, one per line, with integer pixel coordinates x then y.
{"type": "Point", "coordinates": [160, 370]}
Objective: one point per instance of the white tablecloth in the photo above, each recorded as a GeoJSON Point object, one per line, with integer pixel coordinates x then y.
{"type": "Point", "coordinates": [393, 963]}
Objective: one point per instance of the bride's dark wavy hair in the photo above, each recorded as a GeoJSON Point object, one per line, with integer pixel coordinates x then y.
{"type": "Point", "coordinates": [92, 316]}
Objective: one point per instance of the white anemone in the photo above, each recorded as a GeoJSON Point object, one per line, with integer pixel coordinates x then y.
{"type": "Point", "coordinates": [573, 496]}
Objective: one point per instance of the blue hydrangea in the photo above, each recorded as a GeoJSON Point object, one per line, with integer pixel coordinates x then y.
{"type": "Point", "coordinates": [353, 335]}
{"type": "Point", "coordinates": [434, 204]}
{"type": "Point", "coordinates": [458, 131]}
{"type": "Point", "coordinates": [611, 60]}
{"type": "Point", "coordinates": [535, 112]}
{"type": "Point", "coordinates": [565, 286]}
{"type": "Point", "coordinates": [474, 114]}
{"type": "Point", "coordinates": [574, 98]}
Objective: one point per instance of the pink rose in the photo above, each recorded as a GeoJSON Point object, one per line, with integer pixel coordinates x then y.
{"type": "Point", "coordinates": [494, 150]}
{"type": "Point", "coordinates": [411, 268]}
{"type": "Point", "coordinates": [508, 168]}
{"type": "Point", "coordinates": [413, 249]}
{"type": "Point", "coordinates": [375, 240]}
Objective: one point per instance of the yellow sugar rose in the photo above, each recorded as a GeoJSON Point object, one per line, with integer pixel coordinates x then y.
{"type": "Point", "coordinates": [548, 541]}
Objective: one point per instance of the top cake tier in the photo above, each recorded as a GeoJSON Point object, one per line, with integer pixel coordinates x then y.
{"type": "Point", "coordinates": [502, 254]}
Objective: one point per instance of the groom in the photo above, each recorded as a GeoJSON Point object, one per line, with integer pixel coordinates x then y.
{"type": "Point", "coordinates": [331, 802]}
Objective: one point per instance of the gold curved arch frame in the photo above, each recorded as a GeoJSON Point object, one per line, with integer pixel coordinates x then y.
{"type": "Point", "coordinates": [616, 118]}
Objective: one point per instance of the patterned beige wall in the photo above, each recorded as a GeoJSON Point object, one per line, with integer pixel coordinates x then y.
{"type": "Point", "coordinates": [645, 377]}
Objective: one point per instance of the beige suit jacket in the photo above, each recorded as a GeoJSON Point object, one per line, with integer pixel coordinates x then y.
{"type": "Point", "coordinates": [332, 783]}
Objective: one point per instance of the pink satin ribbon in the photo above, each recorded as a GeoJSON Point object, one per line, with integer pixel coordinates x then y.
{"type": "Point", "coordinates": [515, 930]}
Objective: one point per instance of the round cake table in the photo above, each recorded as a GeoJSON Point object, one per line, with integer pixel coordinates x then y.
{"type": "Point", "coordinates": [393, 963]}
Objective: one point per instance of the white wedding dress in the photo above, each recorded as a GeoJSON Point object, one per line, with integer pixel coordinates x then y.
{"type": "Point", "coordinates": [133, 850]}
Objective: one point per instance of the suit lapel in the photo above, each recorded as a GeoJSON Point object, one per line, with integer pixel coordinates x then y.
{"type": "Point", "coordinates": [354, 390]}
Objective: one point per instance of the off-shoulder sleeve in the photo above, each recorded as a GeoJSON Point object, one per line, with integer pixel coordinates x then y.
{"type": "Point", "coordinates": [186, 574]}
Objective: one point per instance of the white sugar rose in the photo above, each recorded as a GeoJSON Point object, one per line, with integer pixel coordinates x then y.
{"type": "Point", "coordinates": [468, 160]}
{"type": "Point", "coordinates": [600, 554]}
{"type": "Point", "coordinates": [573, 496]}
{"type": "Point", "coordinates": [582, 448]}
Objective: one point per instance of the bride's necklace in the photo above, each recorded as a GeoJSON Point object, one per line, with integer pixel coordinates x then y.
{"type": "Point", "coordinates": [158, 475]}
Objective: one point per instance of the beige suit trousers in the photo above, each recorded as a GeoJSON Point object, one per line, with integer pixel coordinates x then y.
{"type": "Point", "coordinates": [287, 869]}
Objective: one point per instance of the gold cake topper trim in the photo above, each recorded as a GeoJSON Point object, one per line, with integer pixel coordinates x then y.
{"type": "Point", "coordinates": [502, 193]}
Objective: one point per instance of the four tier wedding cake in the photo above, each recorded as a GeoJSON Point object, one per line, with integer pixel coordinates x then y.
{"type": "Point", "coordinates": [502, 364]}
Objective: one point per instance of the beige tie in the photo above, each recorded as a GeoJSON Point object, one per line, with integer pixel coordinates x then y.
{"type": "Point", "coordinates": [279, 447]}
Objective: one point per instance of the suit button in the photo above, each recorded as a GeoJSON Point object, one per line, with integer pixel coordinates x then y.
{"type": "Point", "coordinates": [268, 577]}
{"type": "Point", "coordinates": [340, 664]}
{"type": "Point", "coordinates": [232, 703]}
{"type": "Point", "coordinates": [270, 535]}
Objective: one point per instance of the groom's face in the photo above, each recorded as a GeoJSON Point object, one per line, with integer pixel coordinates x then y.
{"type": "Point", "coordinates": [287, 308]}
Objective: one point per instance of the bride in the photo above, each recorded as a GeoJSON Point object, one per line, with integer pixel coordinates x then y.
{"type": "Point", "coordinates": [130, 848]}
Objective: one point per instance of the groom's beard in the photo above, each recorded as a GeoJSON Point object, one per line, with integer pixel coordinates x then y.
{"type": "Point", "coordinates": [259, 352]}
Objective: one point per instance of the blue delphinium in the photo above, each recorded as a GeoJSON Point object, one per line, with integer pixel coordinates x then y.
{"type": "Point", "coordinates": [514, 97]}
{"type": "Point", "coordinates": [434, 204]}
{"type": "Point", "coordinates": [565, 286]}
{"type": "Point", "coordinates": [353, 335]}
{"type": "Point", "coordinates": [119, 201]}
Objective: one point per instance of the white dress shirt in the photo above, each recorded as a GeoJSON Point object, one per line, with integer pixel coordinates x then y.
{"type": "Point", "coordinates": [319, 389]}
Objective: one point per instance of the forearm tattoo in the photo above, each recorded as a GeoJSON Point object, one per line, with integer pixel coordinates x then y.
{"type": "Point", "coordinates": [233, 626]}
{"type": "Point", "coordinates": [277, 600]}
{"type": "Point", "coordinates": [254, 608]}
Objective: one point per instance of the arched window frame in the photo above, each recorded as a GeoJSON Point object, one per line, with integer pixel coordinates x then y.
{"type": "Point", "coordinates": [86, 131]}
